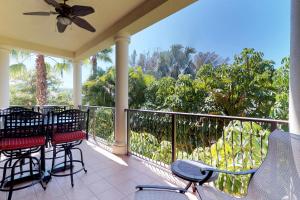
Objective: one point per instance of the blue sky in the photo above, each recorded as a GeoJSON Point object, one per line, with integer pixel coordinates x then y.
{"type": "Point", "coordinates": [222, 26]}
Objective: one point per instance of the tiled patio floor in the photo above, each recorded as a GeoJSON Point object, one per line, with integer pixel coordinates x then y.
{"type": "Point", "coordinates": [109, 177]}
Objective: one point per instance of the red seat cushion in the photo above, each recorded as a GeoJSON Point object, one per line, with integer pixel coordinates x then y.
{"type": "Point", "coordinates": [59, 138]}
{"type": "Point", "coordinates": [22, 143]}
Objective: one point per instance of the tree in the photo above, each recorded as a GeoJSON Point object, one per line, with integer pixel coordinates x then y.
{"type": "Point", "coordinates": [100, 91]}
{"type": "Point", "coordinates": [211, 58]}
{"type": "Point", "coordinates": [103, 55]}
{"type": "Point", "coordinates": [244, 88]}
{"type": "Point", "coordinates": [280, 110]}
{"type": "Point", "coordinates": [41, 80]}
{"type": "Point", "coordinates": [23, 89]}
{"type": "Point", "coordinates": [138, 83]}
{"type": "Point", "coordinates": [42, 68]}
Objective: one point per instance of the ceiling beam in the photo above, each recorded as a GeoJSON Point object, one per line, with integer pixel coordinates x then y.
{"type": "Point", "coordinates": [29, 46]}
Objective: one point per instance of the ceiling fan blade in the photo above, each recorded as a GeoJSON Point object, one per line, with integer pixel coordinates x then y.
{"type": "Point", "coordinates": [77, 10]}
{"type": "Point", "coordinates": [83, 24]}
{"type": "Point", "coordinates": [61, 27]}
{"type": "Point", "coordinates": [37, 13]}
{"type": "Point", "coordinates": [40, 13]}
{"type": "Point", "coordinates": [53, 3]}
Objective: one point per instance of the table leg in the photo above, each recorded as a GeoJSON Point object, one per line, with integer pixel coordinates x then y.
{"type": "Point", "coordinates": [46, 177]}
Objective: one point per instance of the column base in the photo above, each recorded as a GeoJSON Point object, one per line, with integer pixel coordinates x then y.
{"type": "Point", "coordinates": [119, 149]}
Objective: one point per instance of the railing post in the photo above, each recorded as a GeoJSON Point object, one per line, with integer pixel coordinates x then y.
{"type": "Point", "coordinates": [173, 137]}
{"type": "Point", "coordinates": [128, 133]}
{"type": "Point", "coordinates": [273, 126]}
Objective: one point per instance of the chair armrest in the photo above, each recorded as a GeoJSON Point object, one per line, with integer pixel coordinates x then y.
{"type": "Point", "coordinates": [251, 171]}
{"type": "Point", "coordinates": [159, 187]}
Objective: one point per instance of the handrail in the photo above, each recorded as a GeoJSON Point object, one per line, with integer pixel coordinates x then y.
{"type": "Point", "coordinates": [213, 116]}
{"type": "Point", "coordinates": [105, 107]}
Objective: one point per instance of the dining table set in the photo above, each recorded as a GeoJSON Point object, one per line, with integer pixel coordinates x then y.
{"type": "Point", "coordinates": [28, 134]}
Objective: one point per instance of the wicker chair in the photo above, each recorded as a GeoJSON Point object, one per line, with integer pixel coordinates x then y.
{"type": "Point", "coordinates": [277, 178]}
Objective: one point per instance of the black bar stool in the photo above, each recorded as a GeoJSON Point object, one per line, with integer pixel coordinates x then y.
{"type": "Point", "coordinates": [69, 129]}
{"type": "Point", "coordinates": [23, 135]}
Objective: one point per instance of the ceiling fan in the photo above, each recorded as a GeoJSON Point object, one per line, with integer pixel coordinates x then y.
{"type": "Point", "coordinates": [66, 15]}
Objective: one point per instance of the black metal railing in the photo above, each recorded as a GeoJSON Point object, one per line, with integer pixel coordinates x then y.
{"type": "Point", "coordinates": [102, 123]}
{"type": "Point", "coordinates": [226, 142]}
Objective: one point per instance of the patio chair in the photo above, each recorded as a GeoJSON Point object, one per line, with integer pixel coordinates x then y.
{"type": "Point", "coordinates": [278, 177]}
{"type": "Point", "coordinates": [13, 109]}
{"type": "Point", "coordinates": [152, 192]}
{"type": "Point", "coordinates": [22, 137]}
{"type": "Point", "coordinates": [49, 109]}
{"type": "Point", "coordinates": [69, 129]}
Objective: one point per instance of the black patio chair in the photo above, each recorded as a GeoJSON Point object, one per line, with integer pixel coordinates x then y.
{"type": "Point", "coordinates": [49, 109]}
{"type": "Point", "coordinates": [12, 109]}
{"type": "Point", "coordinates": [23, 135]}
{"type": "Point", "coordinates": [69, 129]}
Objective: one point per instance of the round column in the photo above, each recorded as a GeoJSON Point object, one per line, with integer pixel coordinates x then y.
{"type": "Point", "coordinates": [4, 78]}
{"type": "Point", "coordinates": [294, 94]}
{"type": "Point", "coordinates": [121, 97]}
{"type": "Point", "coordinates": [77, 84]}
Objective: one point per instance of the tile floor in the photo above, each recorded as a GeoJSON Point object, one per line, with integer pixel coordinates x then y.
{"type": "Point", "coordinates": [109, 177]}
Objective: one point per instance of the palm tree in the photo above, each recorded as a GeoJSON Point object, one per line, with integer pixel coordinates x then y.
{"type": "Point", "coordinates": [41, 71]}
{"type": "Point", "coordinates": [41, 80]}
{"type": "Point", "coordinates": [101, 55]}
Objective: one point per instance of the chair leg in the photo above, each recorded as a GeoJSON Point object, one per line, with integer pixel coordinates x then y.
{"type": "Point", "coordinates": [4, 172]}
{"type": "Point", "coordinates": [81, 156]}
{"type": "Point", "coordinates": [30, 166]}
{"type": "Point", "coordinates": [12, 178]}
{"type": "Point", "coordinates": [188, 185]}
{"type": "Point", "coordinates": [65, 160]}
{"type": "Point", "coordinates": [71, 166]}
{"type": "Point", "coordinates": [53, 158]}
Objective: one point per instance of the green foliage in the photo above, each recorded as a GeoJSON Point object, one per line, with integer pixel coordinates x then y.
{"type": "Point", "coordinates": [240, 146]}
{"type": "Point", "coordinates": [100, 91]}
{"type": "Point", "coordinates": [23, 90]}
{"type": "Point", "coordinates": [102, 123]}
{"type": "Point", "coordinates": [281, 85]}
{"type": "Point", "coordinates": [244, 88]}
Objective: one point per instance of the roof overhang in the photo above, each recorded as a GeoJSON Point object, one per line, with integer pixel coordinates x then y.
{"type": "Point", "coordinates": [38, 34]}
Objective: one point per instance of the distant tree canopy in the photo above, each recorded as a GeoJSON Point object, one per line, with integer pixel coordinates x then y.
{"type": "Point", "coordinates": [181, 79]}
{"type": "Point", "coordinates": [23, 89]}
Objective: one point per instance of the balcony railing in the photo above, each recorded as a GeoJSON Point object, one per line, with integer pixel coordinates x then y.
{"type": "Point", "coordinates": [102, 123]}
{"type": "Point", "coordinates": [226, 142]}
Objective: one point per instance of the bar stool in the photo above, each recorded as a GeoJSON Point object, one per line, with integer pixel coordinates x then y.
{"type": "Point", "coordinates": [23, 135]}
{"type": "Point", "coordinates": [69, 129]}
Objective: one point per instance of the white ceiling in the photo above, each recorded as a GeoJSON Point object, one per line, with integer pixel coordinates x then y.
{"type": "Point", "coordinates": [38, 33]}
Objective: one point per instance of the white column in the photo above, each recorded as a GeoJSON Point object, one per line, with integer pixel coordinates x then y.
{"type": "Point", "coordinates": [77, 83]}
{"type": "Point", "coordinates": [294, 96]}
{"type": "Point", "coordinates": [121, 97]}
{"type": "Point", "coordinates": [4, 78]}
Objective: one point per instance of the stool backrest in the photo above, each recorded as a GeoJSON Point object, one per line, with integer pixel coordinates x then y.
{"type": "Point", "coordinates": [23, 124]}
{"type": "Point", "coordinates": [14, 109]}
{"type": "Point", "coordinates": [48, 109]}
{"type": "Point", "coordinates": [70, 121]}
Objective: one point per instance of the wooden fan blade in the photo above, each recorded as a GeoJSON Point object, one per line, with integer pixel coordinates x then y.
{"type": "Point", "coordinates": [40, 13]}
{"type": "Point", "coordinates": [83, 24]}
{"type": "Point", "coordinates": [77, 10]}
{"type": "Point", "coordinates": [61, 27]}
{"type": "Point", "coordinates": [53, 3]}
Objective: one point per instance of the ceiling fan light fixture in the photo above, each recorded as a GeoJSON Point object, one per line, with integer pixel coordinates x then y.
{"type": "Point", "coordinates": [64, 20]}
